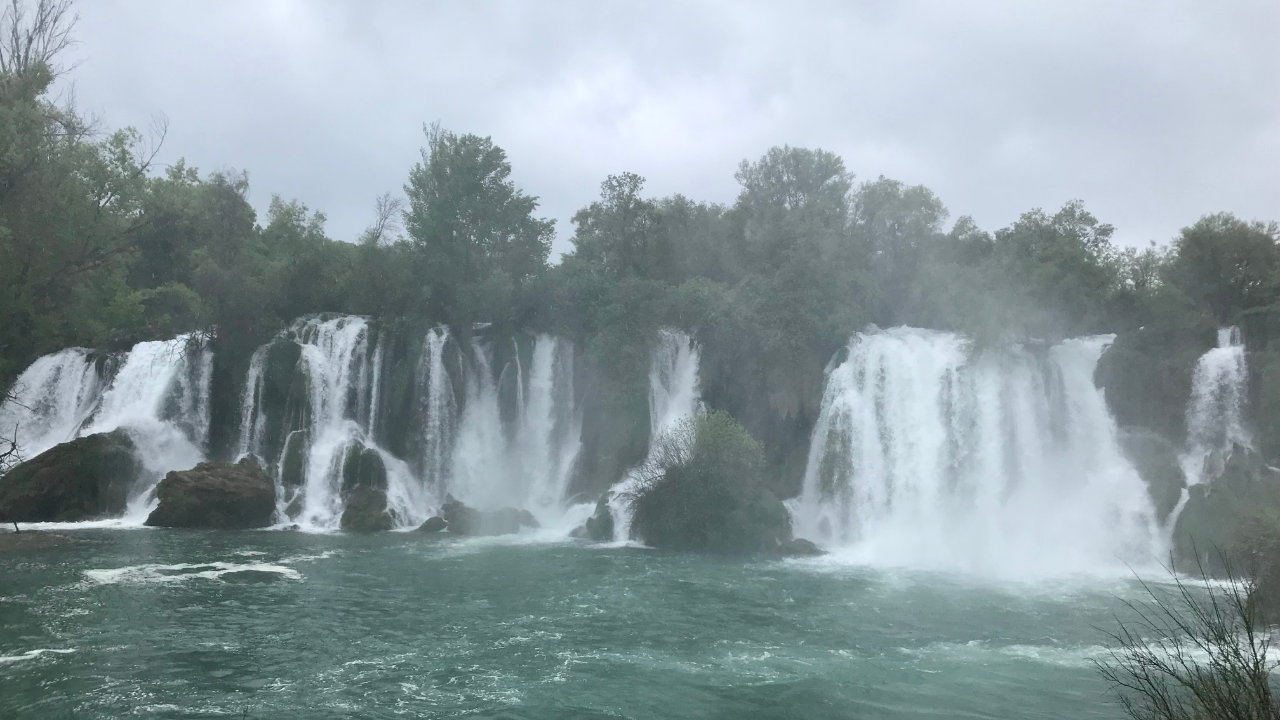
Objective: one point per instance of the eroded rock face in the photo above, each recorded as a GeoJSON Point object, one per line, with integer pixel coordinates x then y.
{"type": "Point", "coordinates": [464, 520]}
{"type": "Point", "coordinates": [86, 478]}
{"type": "Point", "coordinates": [216, 495]}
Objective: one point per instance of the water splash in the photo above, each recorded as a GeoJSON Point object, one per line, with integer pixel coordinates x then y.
{"type": "Point", "coordinates": [927, 453]}
{"type": "Point", "coordinates": [1215, 413]}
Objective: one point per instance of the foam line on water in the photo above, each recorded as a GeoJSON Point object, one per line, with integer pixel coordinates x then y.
{"type": "Point", "coordinates": [181, 572]}
{"type": "Point", "coordinates": [32, 654]}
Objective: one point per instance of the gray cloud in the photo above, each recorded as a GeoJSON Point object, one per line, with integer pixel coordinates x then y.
{"type": "Point", "coordinates": [1152, 113]}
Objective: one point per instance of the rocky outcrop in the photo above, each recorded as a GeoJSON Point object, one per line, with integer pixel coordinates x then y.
{"type": "Point", "coordinates": [1156, 460]}
{"type": "Point", "coordinates": [87, 478]}
{"type": "Point", "coordinates": [366, 510]}
{"type": "Point", "coordinates": [1236, 514]}
{"type": "Point", "coordinates": [216, 495]}
{"type": "Point", "coordinates": [598, 527]}
{"type": "Point", "coordinates": [364, 490]}
{"type": "Point", "coordinates": [465, 520]}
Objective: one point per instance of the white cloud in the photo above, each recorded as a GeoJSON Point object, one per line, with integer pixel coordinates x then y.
{"type": "Point", "coordinates": [1152, 113]}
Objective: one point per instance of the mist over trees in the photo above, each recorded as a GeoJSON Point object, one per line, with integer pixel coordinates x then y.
{"type": "Point", "coordinates": [100, 247]}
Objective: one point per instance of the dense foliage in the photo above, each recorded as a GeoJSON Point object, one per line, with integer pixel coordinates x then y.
{"type": "Point", "coordinates": [702, 489]}
{"type": "Point", "coordinates": [100, 247]}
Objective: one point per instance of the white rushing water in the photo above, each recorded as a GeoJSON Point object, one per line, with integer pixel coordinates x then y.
{"type": "Point", "coordinates": [525, 464]}
{"type": "Point", "coordinates": [466, 447]}
{"type": "Point", "coordinates": [929, 454]}
{"type": "Point", "coordinates": [158, 392]}
{"type": "Point", "coordinates": [1215, 413]}
{"type": "Point", "coordinates": [675, 395]}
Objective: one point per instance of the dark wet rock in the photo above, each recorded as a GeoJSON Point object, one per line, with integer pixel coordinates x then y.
{"type": "Point", "coordinates": [598, 527]}
{"type": "Point", "coordinates": [1236, 514]}
{"type": "Point", "coordinates": [799, 547]}
{"type": "Point", "coordinates": [293, 465]}
{"type": "Point", "coordinates": [216, 495]}
{"type": "Point", "coordinates": [86, 478]}
{"type": "Point", "coordinates": [1156, 460]}
{"type": "Point", "coordinates": [465, 520]}
{"type": "Point", "coordinates": [433, 525]}
{"type": "Point", "coordinates": [366, 510]}
{"type": "Point", "coordinates": [363, 466]}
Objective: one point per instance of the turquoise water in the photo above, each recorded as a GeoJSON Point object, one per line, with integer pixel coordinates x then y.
{"type": "Point", "coordinates": [172, 624]}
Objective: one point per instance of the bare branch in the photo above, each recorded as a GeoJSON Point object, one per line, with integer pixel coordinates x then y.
{"type": "Point", "coordinates": [30, 39]}
{"type": "Point", "coordinates": [386, 225]}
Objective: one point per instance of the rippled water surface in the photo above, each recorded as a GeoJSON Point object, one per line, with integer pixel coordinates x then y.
{"type": "Point", "coordinates": [172, 624]}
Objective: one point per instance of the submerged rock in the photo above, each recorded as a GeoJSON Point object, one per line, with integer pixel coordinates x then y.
{"type": "Point", "coordinates": [366, 510]}
{"type": "Point", "coordinates": [799, 547]}
{"type": "Point", "coordinates": [216, 495]}
{"type": "Point", "coordinates": [465, 520]}
{"type": "Point", "coordinates": [86, 478]}
{"type": "Point", "coordinates": [598, 527]}
{"type": "Point", "coordinates": [433, 525]}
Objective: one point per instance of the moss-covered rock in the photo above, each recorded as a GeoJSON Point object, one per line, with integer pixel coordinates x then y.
{"type": "Point", "coordinates": [86, 478]}
{"type": "Point", "coordinates": [216, 495]}
{"type": "Point", "coordinates": [1231, 515]}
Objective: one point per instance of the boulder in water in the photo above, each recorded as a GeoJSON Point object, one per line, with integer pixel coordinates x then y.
{"type": "Point", "coordinates": [363, 466]}
{"type": "Point", "coordinates": [433, 524]}
{"type": "Point", "coordinates": [366, 510]}
{"type": "Point", "coordinates": [598, 527]}
{"type": "Point", "coordinates": [465, 520]}
{"type": "Point", "coordinates": [216, 495]}
{"type": "Point", "coordinates": [86, 478]}
{"type": "Point", "coordinates": [799, 547]}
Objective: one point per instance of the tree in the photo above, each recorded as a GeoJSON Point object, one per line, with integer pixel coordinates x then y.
{"type": "Point", "coordinates": [1194, 655]}
{"type": "Point", "coordinates": [388, 213]}
{"type": "Point", "coordinates": [467, 215]}
{"type": "Point", "coordinates": [622, 232]}
{"type": "Point", "coordinates": [1228, 264]}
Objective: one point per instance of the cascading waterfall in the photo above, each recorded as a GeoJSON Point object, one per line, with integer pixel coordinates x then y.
{"type": "Point", "coordinates": [675, 395]}
{"type": "Point", "coordinates": [525, 463]}
{"type": "Point", "coordinates": [929, 453]}
{"type": "Point", "coordinates": [462, 445]}
{"type": "Point", "coordinates": [158, 392]}
{"type": "Point", "coordinates": [1215, 414]}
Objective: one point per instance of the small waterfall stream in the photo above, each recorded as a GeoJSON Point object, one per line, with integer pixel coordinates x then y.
{"type": "Point", "coordinates": [929, 453]}
{"type": "Point", "coordinates": [1215, 413]}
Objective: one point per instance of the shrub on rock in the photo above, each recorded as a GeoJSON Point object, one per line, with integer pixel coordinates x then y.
{"type": "Point", "coordinates": [703, 489]}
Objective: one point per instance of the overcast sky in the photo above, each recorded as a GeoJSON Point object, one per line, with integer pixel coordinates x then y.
{"type": "Point", "coordinates": [1153, 113]}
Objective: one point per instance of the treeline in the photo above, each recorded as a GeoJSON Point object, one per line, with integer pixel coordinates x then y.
{"type": "Point", "coordinates": [101, 247]}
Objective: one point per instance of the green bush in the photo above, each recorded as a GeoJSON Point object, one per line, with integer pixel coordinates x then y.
{"type": "Point", "coordinates": [702, 489]}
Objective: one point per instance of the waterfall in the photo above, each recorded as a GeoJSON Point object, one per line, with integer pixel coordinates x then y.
{"type": "Point", "coordinates": [527, 466]}
{"type": "Point", "coordinates": [465, 445]}
{"type": "Point", "coordinates": [929, 453]}
{"type": "Point", "coordinates": [158, 392]}
{"type": "Point", "coordinates": [1215, 413]}
{"type": "Point", "coordinates": [674, 396]}
{"type": "Point", "coordinates": [54, 398]}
